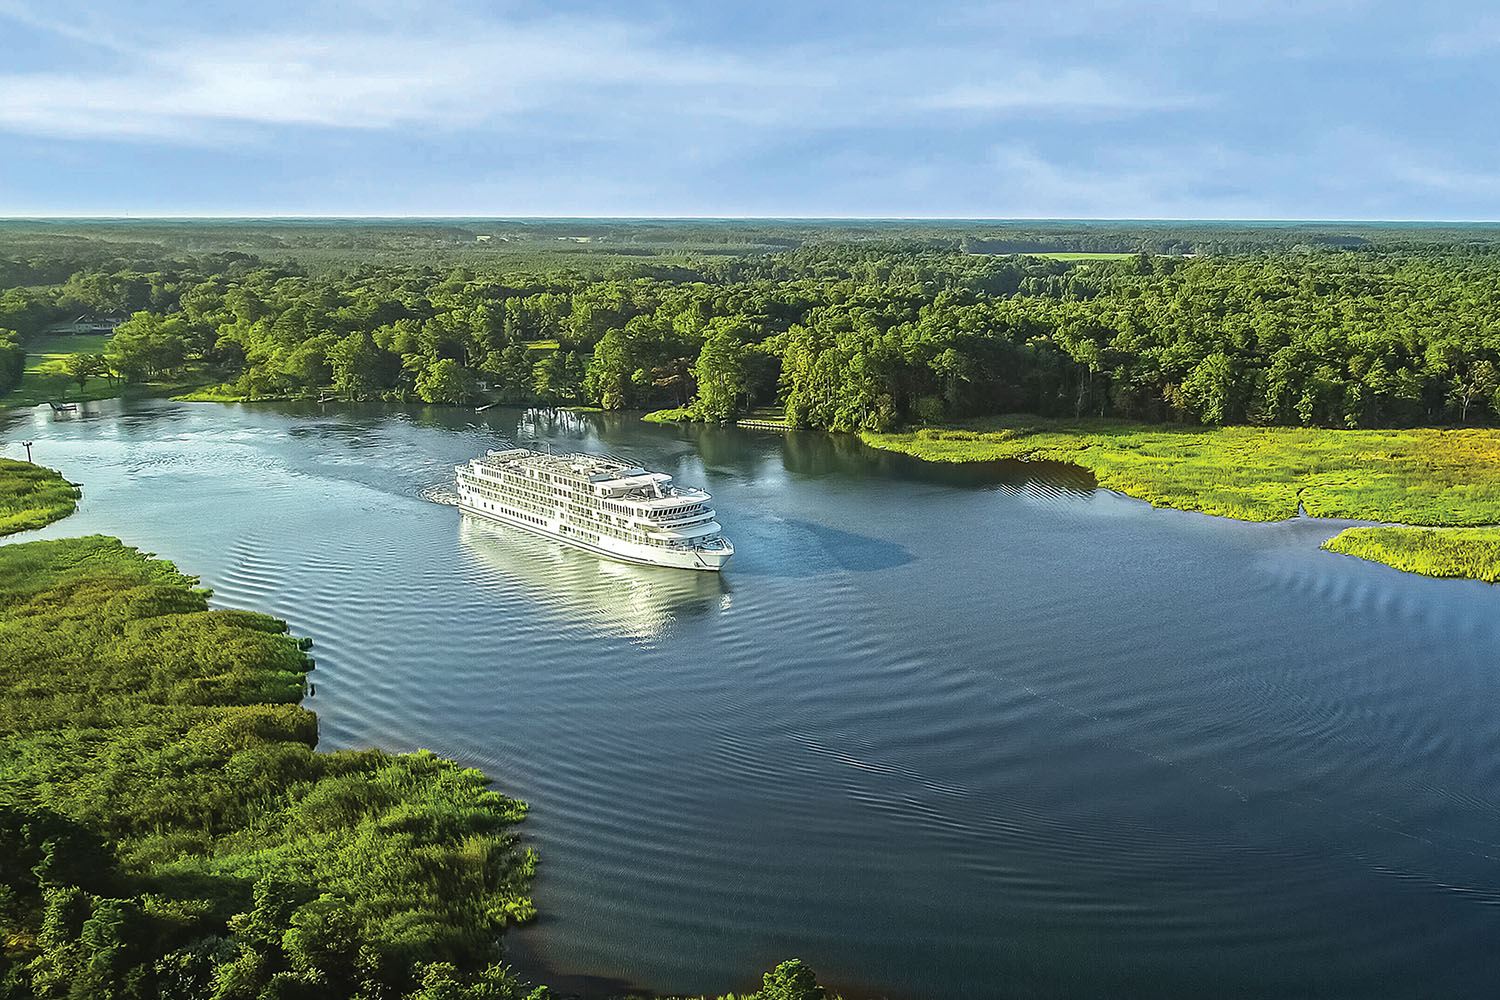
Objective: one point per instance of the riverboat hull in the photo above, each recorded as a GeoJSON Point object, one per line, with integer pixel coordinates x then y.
{"type": "Point", "coordinates": [704, 560]}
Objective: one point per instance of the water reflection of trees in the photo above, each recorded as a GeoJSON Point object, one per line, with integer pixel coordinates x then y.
{"type": "Point", "coordinates": [822, 453]}
{"type": "Point", "coordinates": [567, 425]}
{"type": "Point", "coordinates": [809, 453]}
{"type": "Point", "coordinates": [579, 588]}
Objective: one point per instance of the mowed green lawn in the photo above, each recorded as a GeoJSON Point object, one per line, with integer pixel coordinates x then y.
{"type": "Point", "coordinates": [1074, 255]}
{"type": "Point", "coordinates": [1423, 477]}
{"type": "Point", "coordinates": [46, 379]}
{"type": "Point", "coordinates": [52, 349]}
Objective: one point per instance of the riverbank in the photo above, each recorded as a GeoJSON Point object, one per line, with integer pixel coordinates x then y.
{"type": "Point", "coordinates": [33, 496]}
{"type": "Point", "coordinates": [764, 417]}
{"type": "Point", "coordinates": [133, 865]}
{"type": "Point", "coordinates": [46, 379]}
{"type": "Point", "coordinates": [1415, 479]}
{"type": "Point", "coordinates": [161, 751]}
{"type": "Point", "coordinates": [672, 415]}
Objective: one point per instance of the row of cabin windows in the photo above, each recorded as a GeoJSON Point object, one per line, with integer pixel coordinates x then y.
{"type": "Point", "coordinates": [633, 536]}
{"type": "Point", "coordinates": [509, 497]}
{"type": "Point", "coordinates": [536, 495]}
{"type": "Point", "coordinates": [671, 512]}
{"type": "Point", "coordinates": [587, 536]}
{"type": "Point", "coordinates": [526, 483]}
{"type": "Point", "coordinates": [540, 503]}
{"type": "Point", "coordinates": [522, 485]}
{"type": "Point", "coordinates": [541, 522]}
{"type": "Point", "coordinates": [522, 482]}
{"type": "Point", "coordinates": [513, 501]}
{"type": "Point", "coordinates": [502, 509]}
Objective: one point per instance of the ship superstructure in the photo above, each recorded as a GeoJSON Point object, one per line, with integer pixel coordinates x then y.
{"type": "Point", "coordinates": [604, 504]}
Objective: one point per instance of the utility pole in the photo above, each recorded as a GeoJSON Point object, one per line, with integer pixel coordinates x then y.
{"type": "Point", "coordinates": [28, 450]}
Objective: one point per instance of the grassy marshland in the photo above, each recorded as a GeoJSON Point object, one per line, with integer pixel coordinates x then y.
{"type": "Point", "coordinates": [167, 829]}
{"type": "Point", "coordinates": [1470, 553]}
{"type": "Point", "coordinates": [1421, 477]}
{"type": "Point", "coordinates": [32, 496]}
{"type": "Point", "coordinates": [674, 415]}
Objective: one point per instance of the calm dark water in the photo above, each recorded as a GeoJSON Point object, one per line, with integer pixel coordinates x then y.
{"type": "Point", "coordinates": [942, 733]}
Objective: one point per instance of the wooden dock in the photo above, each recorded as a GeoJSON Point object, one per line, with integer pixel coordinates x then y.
{"type": "Point", "coordinates": [63, 407]}
{"type": "Point", "coordinates": [764, 425]}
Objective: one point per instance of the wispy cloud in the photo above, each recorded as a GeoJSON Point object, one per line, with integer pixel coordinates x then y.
{"type": "Point", "coordinates": [864, 107]}
{"type": "Point", "coordinates": [357, 81]}
{"type": "Point", "coordinates": [205, 90]}
{"type": "Point", "coordinates": [1477, 37]}
{"type": "Point", "coordinates": [1135, 182]}
{"type": "Point", "coordinates": [1065, 90]}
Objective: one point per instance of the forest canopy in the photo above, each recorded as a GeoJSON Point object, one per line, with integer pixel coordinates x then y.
{"type": "Point", "coordinates": [1364, 328]}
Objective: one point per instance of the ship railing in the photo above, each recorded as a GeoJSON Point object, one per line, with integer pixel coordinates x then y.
{"type": "Point", "coordinates": [667, 493]}
{"type": "Point", "coordinates": [683, 519]}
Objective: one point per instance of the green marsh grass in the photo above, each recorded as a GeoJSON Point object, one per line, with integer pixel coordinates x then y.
{"type": "Point", "coordinates": [1426, 476]}
{"type": "Point", "coordinates": [675, 415]}
{"type": "Point", "coordinates": [1469, 553]}
{"type": "Point", "coordinates": [169, 736]}
{"type": "Point", "coordinates": [32, 496]}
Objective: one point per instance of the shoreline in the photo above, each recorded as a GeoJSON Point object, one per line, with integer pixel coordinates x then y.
{"type": "Point", "coordinates": [1431, 495]}
{"type": "Point", "coordinates": [217, 689]}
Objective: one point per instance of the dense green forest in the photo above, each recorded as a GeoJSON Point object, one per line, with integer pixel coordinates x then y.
{"type": "Point", "coordinates": [1365, 328]}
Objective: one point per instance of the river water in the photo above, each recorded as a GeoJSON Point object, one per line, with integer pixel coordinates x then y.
{"type": "Point", "coordinates": [940, 732]}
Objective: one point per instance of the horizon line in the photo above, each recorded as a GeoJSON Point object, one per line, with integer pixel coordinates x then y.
{"type": "Point", "coordinates": [272, 217]}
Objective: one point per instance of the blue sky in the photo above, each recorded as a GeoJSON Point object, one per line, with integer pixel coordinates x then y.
{"type": "Point", "coordinates": [1066, 109]}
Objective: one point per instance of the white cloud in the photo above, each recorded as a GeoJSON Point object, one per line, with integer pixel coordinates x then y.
{"type": "Point", "coordinates": [1096, 108]}
{"type": "Point", "coordinates": [200, 89]}
{"type": "Point", "coordinates": [349, 81]}
{"type": "Point", "coordinates": [1180, 183]}
{"type": "Point", "coordinates": [1085, 90]}
{"type": "Point", "coordinates": [1477, 37]}
{"type": "Point", "coordinates": [1090, 17]}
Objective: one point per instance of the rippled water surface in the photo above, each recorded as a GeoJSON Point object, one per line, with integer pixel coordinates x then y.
{"type": "Point", "coordinates": [942, 733]}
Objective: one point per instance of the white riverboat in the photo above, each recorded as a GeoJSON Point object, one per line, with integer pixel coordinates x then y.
{"type": "Point", "coordinates": [600, 503]}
